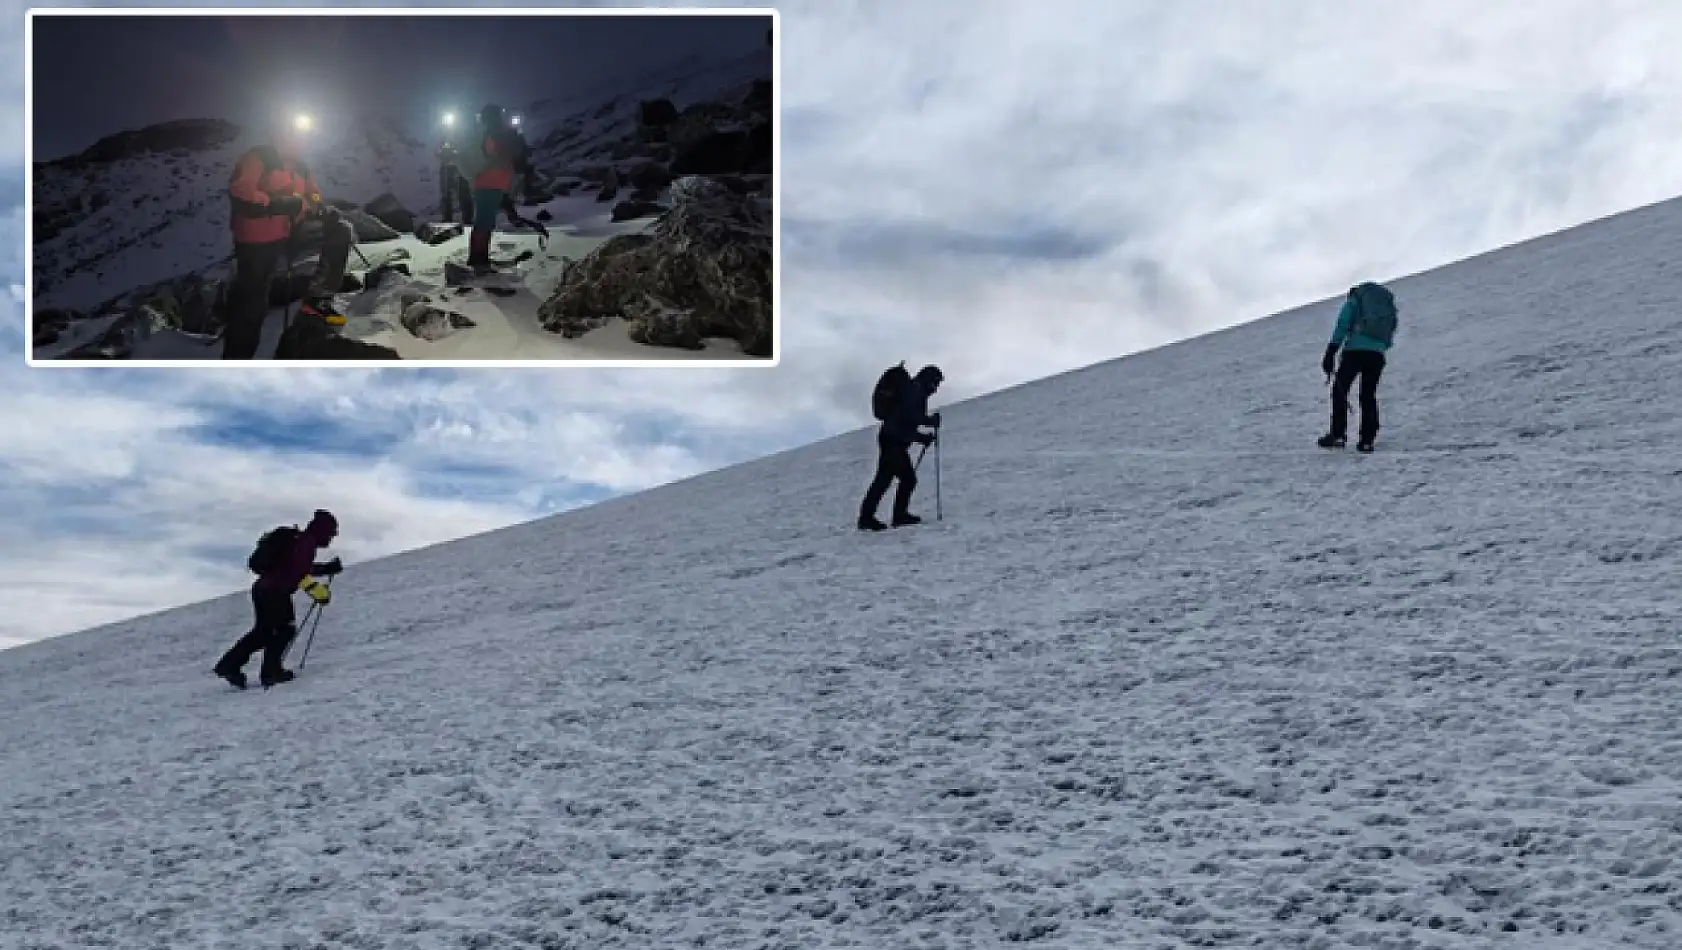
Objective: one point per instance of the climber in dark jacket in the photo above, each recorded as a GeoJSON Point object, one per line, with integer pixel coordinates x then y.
{"type": "Point", "coordinates": [271, 600]}
{"type": "Point", "coordinates": [893, 442]}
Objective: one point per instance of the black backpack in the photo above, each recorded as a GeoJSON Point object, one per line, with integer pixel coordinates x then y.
{"type": "Point", "coordinates": [273, 549]}
{"type": "Point", "coordinates": [888, 391]}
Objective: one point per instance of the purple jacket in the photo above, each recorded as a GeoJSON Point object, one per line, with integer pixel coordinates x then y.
{"type": "Point", "coordinates": [298, 563]}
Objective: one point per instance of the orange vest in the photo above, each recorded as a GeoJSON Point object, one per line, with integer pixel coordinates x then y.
{"type": "Point", "coordinates": [260, 176]}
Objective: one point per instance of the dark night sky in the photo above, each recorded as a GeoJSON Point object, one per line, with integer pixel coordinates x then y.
{"type": "Point", "coordinates": [98, 75]}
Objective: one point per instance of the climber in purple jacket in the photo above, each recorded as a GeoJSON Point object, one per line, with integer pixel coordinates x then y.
{"type": "Point", "coordinates": [284, 562]}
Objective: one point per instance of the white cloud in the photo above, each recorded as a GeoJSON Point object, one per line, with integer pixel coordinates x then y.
{"type": "Point", "coordinates": [1009, 189]}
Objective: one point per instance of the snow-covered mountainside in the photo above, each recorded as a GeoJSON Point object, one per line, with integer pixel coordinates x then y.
{"type": "Point", "coordinates": [127, 230]}
{"type": "Point", "coordinates": [1166, 675]}
{"type": "Point", "coordinates": [597, 124]}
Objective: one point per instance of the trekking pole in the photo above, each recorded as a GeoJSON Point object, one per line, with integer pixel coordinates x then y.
{"type": "Point", "coordinates": [291, 308]}
{"type": "Point", "coordinates": [937, 514]}
{"type": "Point", "coordinates": [319, 610]}
{"type": "Point", "coordinates": [305, 658]}
{"type": "Point", "coordinates": [294, 639]}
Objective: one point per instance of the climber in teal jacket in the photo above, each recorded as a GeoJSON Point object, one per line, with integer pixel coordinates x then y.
{"type": "Point", "coordinates": [1347, 337]}
{"type": "Point", "coordinates": [1366, 327]}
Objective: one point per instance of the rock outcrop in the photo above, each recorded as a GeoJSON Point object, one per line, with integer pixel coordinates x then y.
{"type": "Point", "coordinates": [310, 340]}
{"type": "Point", "coordinates": [657, 113]}
{"type": "Point", "coordinates": [390, 212]}
{"type": "Point", "coordinates": [196, 304]}
{"type": "Point", "coordinates": [369, 230]}
{"type": "Point", "coordinates": [428, 321]}
{"type": "Point", "coordinates": [702, 271]}
{"type": "Point", "coordinates": [125, 334]}
{"type": "Point", "coordinates": [634, 208]}
{"type": "Point", "coordinates": [434, 233]}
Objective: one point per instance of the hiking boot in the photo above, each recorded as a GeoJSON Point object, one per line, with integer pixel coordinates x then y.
{"type": "Point", "coordinates": [901, 521]}
{"type": "Point", "coordinates": [276, 678]}
{"type": "Point", "coordinates": [230, 673]}
{"type": "Point", "coordinates": [870, 523]}
{"type": "Point", "coordinates": [1365, 445]}
{"type": "Point", "coordinates": [1332, 442]}
{"type": "Point", "coordinates": [322, 308]}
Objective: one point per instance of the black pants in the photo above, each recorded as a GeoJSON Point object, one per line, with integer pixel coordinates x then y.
{"type": "Point", "coordinates": [452, 195]}
{"type": "Point", "coordinates": [893, 461]}
{"type": "Point", "coordinates": [275, 626]}
{"type": "Point", "coordinates": [254, 269]}
{"type": "Point", "coordinates": [1369, 366]}
{"type": "Point", "coordinates": [248, 300]}
{"type": "Point", "coordinates": [464, 198]}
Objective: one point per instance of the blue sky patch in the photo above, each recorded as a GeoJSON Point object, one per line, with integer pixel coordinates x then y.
{"type": "Point", "coordinates": [310, 433]}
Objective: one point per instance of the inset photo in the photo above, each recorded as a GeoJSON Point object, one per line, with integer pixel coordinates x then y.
{"type": "Point", "coordinates": [379, 187]}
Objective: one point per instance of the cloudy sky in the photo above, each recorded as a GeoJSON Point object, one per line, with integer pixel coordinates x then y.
{"type": "Point", "coordinates": [1010, 189]}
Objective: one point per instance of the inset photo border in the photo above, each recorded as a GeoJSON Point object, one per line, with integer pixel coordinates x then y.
{"type": "Point", "coordinates": [379, 188]}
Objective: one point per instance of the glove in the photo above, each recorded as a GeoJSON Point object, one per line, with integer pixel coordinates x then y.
{"type": "Point", "coordinates": [288, 206]}
{"type": "Point", "coordinates": [1329, 361]}
{"type": "Point", "coordinates": [925, 438]}
{"type": "Point", "coordinates": [332, 567]}
{"type": "Point", "coordinates": [934, 420]}
{"type": "Point", "coordinates": [318, 591]}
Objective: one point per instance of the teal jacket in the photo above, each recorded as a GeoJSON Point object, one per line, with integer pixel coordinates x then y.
{"type": "Point", "coordinates": [1342, 338]}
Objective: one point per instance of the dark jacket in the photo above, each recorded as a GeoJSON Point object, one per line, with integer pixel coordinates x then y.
{"type": "Point", "coordinates": [299, 563]}
{"type": "Point", "coordinates": [522, 152]}
{"type": "Point", "coordinates": [911, 411]}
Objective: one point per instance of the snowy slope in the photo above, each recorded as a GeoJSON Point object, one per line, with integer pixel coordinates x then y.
{"type": "Point", "coordinates": [504, 327]}
{"type": "Point", "coordinates": [159, 215]}
{"type": "Point", "coordinates": [586, 123]}
{"type": "Point", "coordinates": [1165, 676]}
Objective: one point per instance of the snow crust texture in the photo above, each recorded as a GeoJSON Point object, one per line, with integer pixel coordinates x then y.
{"type": "Point", "coordinates": [1165, 675]}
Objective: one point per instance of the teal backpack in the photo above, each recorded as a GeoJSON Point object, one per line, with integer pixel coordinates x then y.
{"type": "Point", "coordinates": [1375, 312]}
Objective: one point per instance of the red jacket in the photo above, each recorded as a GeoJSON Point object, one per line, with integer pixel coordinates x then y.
{"type": "Point", "coordinates": [254, 185]}
{"type": "Point", "coordinates": [500, 174]}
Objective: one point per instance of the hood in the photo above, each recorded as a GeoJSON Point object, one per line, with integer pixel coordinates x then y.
{"type": "Point", "coordinates": [323, 528]}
